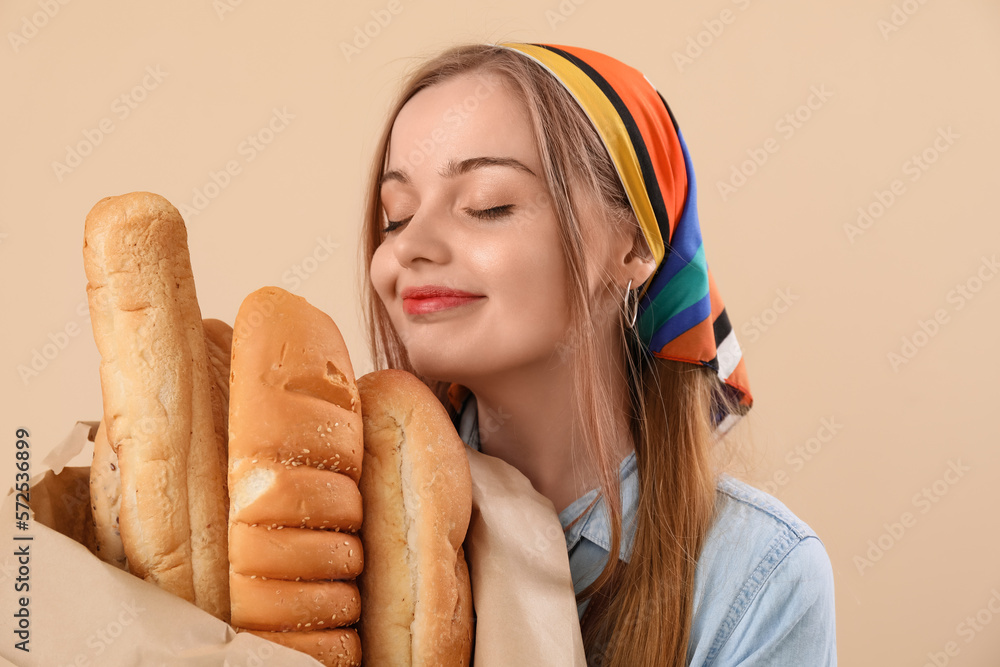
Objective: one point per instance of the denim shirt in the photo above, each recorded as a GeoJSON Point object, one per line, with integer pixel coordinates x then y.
{"type": "Point", "coordinates": [763, 589]}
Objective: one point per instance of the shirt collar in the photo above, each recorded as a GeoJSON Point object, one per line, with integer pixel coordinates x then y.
{"type": "Point", "coordinates": [467, 421]}
{"type": "Point", "coordinates": [595, 524]}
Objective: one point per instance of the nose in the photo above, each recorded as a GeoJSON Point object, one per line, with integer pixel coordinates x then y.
{"type": "Point", "coordinates": [424, 238]}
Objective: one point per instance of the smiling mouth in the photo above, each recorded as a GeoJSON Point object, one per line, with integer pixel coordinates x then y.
{"type": "Point", "coordinates": [434, 304]}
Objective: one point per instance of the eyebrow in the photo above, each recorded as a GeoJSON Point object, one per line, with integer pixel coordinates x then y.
{"type": "Point", "coordinates": [454, 168]}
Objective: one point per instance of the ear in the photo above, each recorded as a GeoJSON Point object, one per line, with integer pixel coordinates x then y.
{"type": "Point", "coordinates": [633, 259]}
{"type": "Point", "coordinates": [639, 268]}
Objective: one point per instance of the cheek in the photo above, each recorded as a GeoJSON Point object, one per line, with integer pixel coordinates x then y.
{"type": "Point", "coordinates": [383, 273]}
{"type": "Point", "coordinates": [534, 291]}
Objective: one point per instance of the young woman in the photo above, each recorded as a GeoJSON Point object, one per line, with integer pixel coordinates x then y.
{"type": "Point", "coordinates": [534, 255]}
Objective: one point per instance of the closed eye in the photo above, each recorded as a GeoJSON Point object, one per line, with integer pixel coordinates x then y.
{"type": "Point", "coordinates": [394, 225]}
{"type": "Point", "coordinates": [483, 214]}
{"type": "Point", "coordinates": [491, 213]}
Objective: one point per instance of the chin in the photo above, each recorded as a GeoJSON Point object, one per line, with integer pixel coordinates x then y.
{"type": "Point", "coordinates": [443, 363]}
{"type": "Point", "coordinates": [442, 355]}
{"type": "Point", "coordinates": [435, 371]}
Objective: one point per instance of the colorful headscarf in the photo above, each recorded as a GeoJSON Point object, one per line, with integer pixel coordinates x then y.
{"type": "Point", "coordinates": [681, 314]}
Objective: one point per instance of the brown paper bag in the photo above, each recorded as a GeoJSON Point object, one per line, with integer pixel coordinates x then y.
{"type": "Point", "coordinates": [521, 583]}
{"type": "Point", "coordinates": [82, 611]}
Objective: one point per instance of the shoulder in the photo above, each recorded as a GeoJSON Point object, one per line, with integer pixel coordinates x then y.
{"type": "Point", "coordinates": [738, 504]}
{"type": "Point", "coordinates": [764, 585]}
{"type": "Point", "coordinates": [753, 528]}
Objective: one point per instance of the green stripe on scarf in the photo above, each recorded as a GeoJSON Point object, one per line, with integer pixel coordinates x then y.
{"type": "Point", "coordinates": [686, 288]}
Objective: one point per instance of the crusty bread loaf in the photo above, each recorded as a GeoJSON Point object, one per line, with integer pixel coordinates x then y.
{"type": "Point", "coordinates": [416, 597]}
{"type": "Point", "coordinates": [219, 346]}
{"type": "Point", "coordinates": [105, 501]}
{"type": "Point", "coordinates": [295, 455]}
{"type": "Point", "coordinates": [156, 386]}
{"type": "Point", "coordinates": [105, 481]}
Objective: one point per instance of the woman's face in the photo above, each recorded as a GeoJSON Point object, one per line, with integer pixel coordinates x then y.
{"type": "Point", "coordinates": [470, 269]}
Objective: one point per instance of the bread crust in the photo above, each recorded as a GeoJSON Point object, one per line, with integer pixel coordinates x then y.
{"type": "Point", "coordinates": [415, 589]}
{"type": "Point", "coordinates": [294, 553]}
{"type": "Point", "coordinates": [279, 604]}
{"type": "Point", "coordinates": [156, 388]}
{"type": "Point", "coordinates": [340, 647]}
{"type": "Point", "coordinates": [298, 429]}
{"type": "Point", "coordinates": [275, 494]}
{"type": "Point", "coordinates": [219, 347]}
{"type": "Point", "coordinates": [295, 455]}
{"type": "Point", "coordinates": [105, 501]}
{"type": "Point", "coordinates": [105, 480]}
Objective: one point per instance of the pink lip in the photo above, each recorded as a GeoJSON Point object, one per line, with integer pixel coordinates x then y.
{"type": "Point", "coordinates": [433, 298]}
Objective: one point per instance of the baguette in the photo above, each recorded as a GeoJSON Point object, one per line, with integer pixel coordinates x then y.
{"type": "Point", "coordinates": [219, 346]}
{"type": "Point", "coordinates": [105, 501]}
{"type": "Point", "coordinates": [156, 387]}
{"type": "Point", "coordinates": [105, 481]}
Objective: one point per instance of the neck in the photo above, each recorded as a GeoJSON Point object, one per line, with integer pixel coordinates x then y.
{"type": "Point", "coordinates": [527, 418]}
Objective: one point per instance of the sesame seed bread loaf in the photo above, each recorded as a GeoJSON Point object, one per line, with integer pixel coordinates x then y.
{"type": "Point", "coordinates": [295, 456]}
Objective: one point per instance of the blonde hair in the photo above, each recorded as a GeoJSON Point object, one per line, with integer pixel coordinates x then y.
{"type": "Point", "coordinates": [639, 612]}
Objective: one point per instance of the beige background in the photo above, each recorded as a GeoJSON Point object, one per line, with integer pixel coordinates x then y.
{"type": "Point", "coordinates": [223, 69]}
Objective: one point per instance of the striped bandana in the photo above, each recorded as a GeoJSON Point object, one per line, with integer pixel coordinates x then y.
{"type": "Point", "coordinates": [681, 313]}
